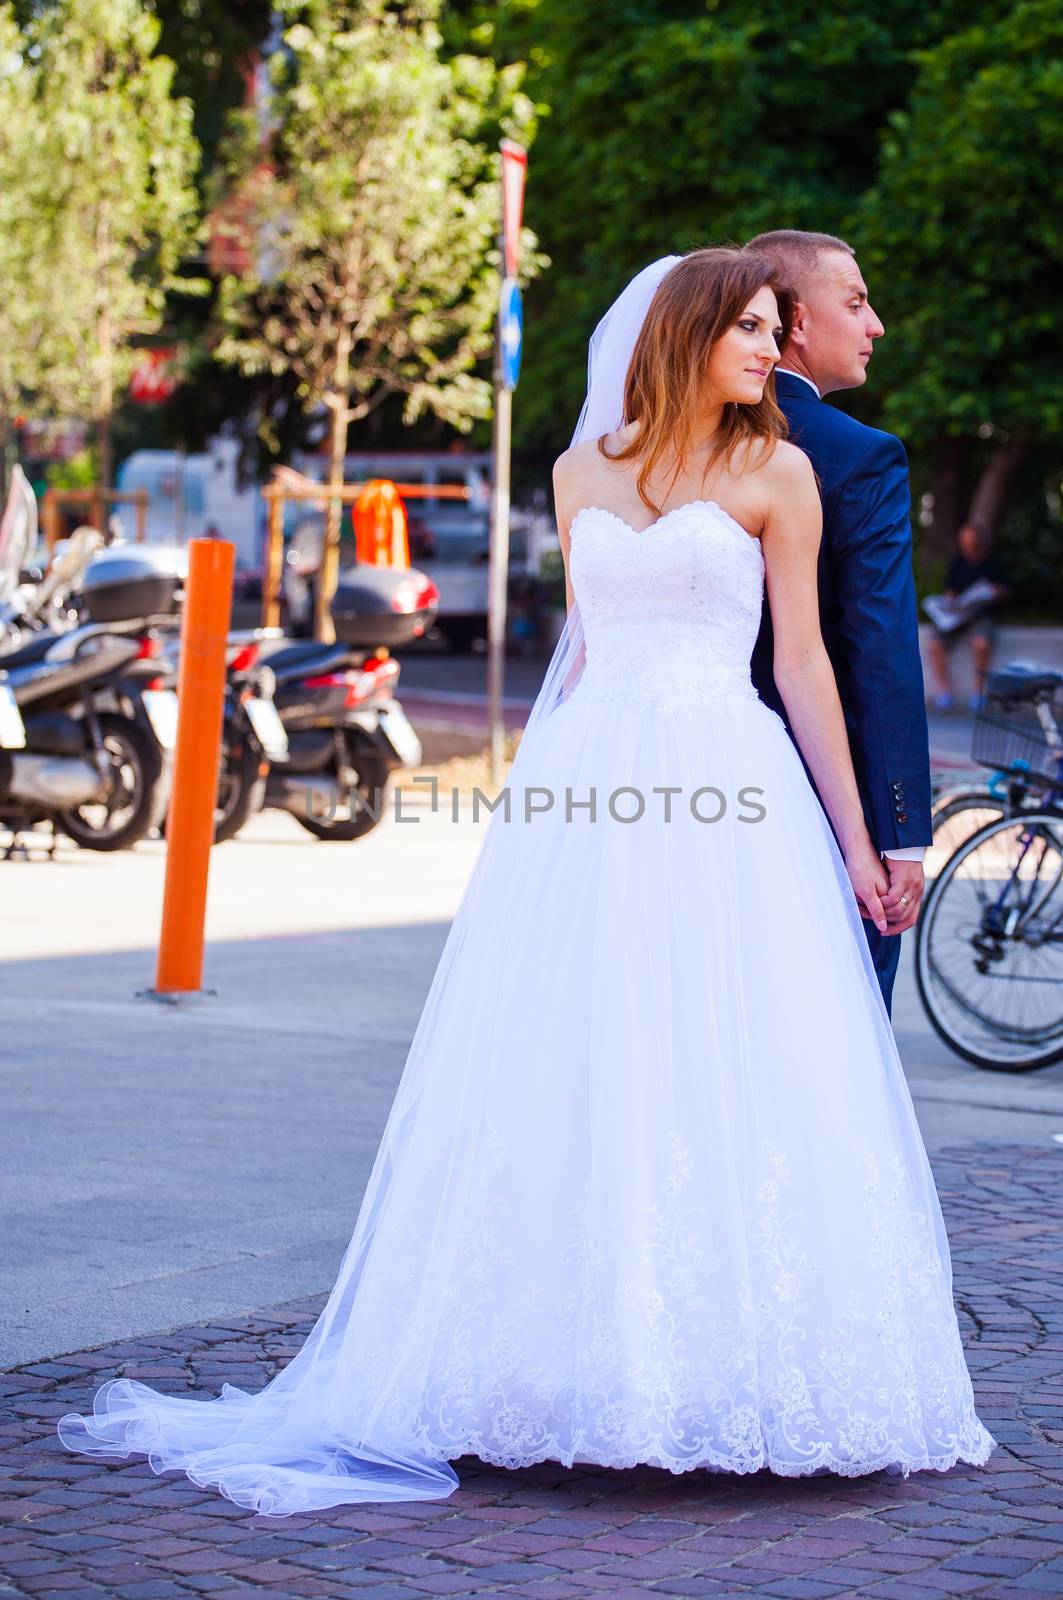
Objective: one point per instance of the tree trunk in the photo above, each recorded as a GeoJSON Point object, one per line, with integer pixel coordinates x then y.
{"type": "Point", "coordinates": [329, 570]}
{"type": "Point", "coordinates": [8, 454]}
{"type": "Point", "coordinates": [948, 484]}
{"type": "Point", "coordinates": [103, 449]}
{"type": "Point", "coordinates": [104, 381]}
{"type": "Point", "coordinates": [991, 491]}
{"type": "Point", "coordinates": [338, 401]}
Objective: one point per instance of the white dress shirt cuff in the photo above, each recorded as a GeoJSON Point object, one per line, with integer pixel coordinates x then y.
{"type": "Point", "coordinates": [908, 852]}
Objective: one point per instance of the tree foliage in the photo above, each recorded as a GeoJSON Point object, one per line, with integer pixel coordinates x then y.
{"type": "Point", "coordinates": [964, 228]}
{"type": "Point", "coordinates": [369, 212]}
{"type": "Point", "coordinates": [109, 179]}
{"type": "Point", "coordinates": [25, 303]}
{"type": "Point", "coordinates": [927, 132]}
{"type": "Point", "coordinates": [374, 212]}
{"type": "Point", "coordinates": [213, 47]}
{"type": "Point", "coordinates": [674, 125]}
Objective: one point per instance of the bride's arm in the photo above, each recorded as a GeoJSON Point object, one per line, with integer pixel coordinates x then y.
{"type": "Point", "coordinates": [564, 489]}
{"type": "Point", "coordinates": [793, 529]}
{"type": "Point", "coordinates": [569, 469]}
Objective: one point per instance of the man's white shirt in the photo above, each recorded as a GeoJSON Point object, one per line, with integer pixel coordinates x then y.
{"type": "Point", "coordinates": [908, 852]}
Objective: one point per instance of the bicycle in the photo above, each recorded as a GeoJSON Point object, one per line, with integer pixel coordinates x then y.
{"type": "Point", "coordinates": [989, 940]}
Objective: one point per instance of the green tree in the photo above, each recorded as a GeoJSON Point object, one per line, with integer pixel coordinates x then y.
{"type": "Point", "coordinates": [371, 212]}
{"type": "Point", "coordinates": [113, 175]}
{"type": "Point", "coordinates": [25, 303]}
{"type": "Point", "coordinates": [214, 47]}
{"type": "Point", "coordinates": [964, 231]}
{"type": "Point", "coordinates": [667, 125]}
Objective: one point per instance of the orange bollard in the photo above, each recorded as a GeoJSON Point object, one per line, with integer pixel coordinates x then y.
{"type": "Point", "coordinates": [380, 526]}
{"type": "Point", "coordinates": [190, 827]}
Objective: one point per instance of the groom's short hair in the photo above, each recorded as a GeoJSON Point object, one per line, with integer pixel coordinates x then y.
{"type": "Point", "coordinates": [795, 255]}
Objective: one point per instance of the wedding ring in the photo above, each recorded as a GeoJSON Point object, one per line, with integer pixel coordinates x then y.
{"type": "Point", "coordinates": [905, 899]}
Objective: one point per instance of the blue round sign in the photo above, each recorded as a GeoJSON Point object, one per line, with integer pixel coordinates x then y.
{"type": "Point", "coordinates": [511, 332]}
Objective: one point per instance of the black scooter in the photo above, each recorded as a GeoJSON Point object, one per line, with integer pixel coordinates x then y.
{"type": "Point", "coordinates": [96, 775]}
{"type": "Point", "coordinates": [323, 719]}
{"type": "Point", "coordinates": [77, 745]}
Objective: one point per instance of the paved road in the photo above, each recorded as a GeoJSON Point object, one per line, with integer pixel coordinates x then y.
{"type": "Point", "coordinates": [73, 1529]}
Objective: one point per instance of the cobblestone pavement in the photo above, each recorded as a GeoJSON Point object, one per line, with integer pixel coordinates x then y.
{"type": "Point", "coordinates": [73, 1529]}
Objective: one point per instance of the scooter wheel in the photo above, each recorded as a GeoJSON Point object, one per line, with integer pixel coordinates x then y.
{"type": "Point", "coordinates": [372, 788]}
{"type": "Point", "coordinates": [241, 790]}
{"type": "Point", "coordinates": [137, 797]}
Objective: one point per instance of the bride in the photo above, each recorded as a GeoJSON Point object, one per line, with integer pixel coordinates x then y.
{"type": "Point", "coordinates": [652, 1188]}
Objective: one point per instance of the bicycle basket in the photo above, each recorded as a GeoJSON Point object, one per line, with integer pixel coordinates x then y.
{"type": "Point", "coordinates": [1020, 728]}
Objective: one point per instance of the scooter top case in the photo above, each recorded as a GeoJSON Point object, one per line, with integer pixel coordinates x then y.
{"type": "Point", "coordinates": [84, 655]}
{"type": "Point", "coordinates": [128, 581]}
{"type": "Point", "coordinates": [382, 605]}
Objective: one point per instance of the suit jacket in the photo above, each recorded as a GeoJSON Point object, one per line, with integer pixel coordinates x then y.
{"type": "Point", "coordinates": [868, 614]}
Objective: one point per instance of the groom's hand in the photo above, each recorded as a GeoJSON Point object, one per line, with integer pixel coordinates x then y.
{"type": "Point", "coordinates": [905, 893]}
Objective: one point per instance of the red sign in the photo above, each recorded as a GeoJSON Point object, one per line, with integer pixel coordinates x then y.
{"type": "Point", "coordinates": [514, 172]}
{"type": "Point", "coordinates": [154, 376]}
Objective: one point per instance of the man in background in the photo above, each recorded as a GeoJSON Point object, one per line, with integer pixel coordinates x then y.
{"type": "Point", "coordinates": [974, 561]}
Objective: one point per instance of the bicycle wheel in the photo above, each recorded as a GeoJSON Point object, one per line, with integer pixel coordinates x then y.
{"type": "Point", "coordinates": [989, 945]}
{"type": "Point", "coordinates": [957, 815]}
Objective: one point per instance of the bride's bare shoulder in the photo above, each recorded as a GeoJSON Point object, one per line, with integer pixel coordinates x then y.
{"type": "Point", "coordinates": [585, 471]}
{"type": "Point", "coordinates": [574, 462]}
{"type": "Point", "coordinates": [791, 498]}
{"type": "Point", "coordinates": [788, 468]}
{"type": "Point", "coordinates": [586, 456]}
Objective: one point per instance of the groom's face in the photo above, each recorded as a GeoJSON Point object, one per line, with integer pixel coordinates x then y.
{"type": "Point", "coordinates": [834, 325]}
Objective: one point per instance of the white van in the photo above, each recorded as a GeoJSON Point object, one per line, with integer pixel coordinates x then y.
{"type": "Point", "coordinates": [190, 495]}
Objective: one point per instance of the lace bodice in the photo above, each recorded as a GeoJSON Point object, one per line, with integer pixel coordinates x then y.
{"type": "Point", "coordinates": [670, 614]}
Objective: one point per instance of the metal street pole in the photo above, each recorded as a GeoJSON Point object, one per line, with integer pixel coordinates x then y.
{"type": "Point", "coordinates": [508, 343]}
{"type": "Point", "coordinates": [498, 569]}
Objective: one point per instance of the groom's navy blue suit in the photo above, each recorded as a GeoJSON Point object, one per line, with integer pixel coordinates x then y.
{"type": "Point", "coordinates": [869, 623]}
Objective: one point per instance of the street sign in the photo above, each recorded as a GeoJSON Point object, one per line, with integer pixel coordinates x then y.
{"type": "Point", "coordinates": [514, 173]}
{"type": "Point", "coordinates": [511, 332]}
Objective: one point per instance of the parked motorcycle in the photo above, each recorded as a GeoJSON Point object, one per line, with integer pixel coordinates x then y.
{"type": "Point", "coordinates": [85, 731]}
{"type": "Point", "coordinates": [324, 717]}
{"type": "Point", "coordinates": [97, 775]}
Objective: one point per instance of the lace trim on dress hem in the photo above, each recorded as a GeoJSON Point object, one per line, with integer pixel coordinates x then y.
{"type": "Point", "coordinates": [974, 1454]}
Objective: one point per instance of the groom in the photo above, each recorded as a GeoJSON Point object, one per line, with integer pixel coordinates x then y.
{"type": "Point", "coordinates": [866, 589]}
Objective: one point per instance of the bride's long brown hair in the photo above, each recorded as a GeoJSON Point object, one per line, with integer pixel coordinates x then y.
{"type": "Point", "coordinates": [702, 296]}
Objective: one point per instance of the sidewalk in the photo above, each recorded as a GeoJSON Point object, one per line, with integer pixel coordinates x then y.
{"type": "Point", "coordinates": [178, 1185]}
{"type": "Point", "coordinates": [77, 1530]}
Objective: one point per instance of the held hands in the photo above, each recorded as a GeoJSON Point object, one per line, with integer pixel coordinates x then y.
{"type": "Point", "coordinates": [889, 891]}
{"type": "Point", "coordinates": [904, 896]}
{"type": "Point", "coordinates": [870, 882]}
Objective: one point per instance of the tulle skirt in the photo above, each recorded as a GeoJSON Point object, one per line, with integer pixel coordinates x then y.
{"type": "Point", "coordinates": [652, 1188]}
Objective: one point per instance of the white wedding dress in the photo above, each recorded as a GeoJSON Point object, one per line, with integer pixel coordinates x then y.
{"type": "Point", "coordinates": [652, 1189]}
